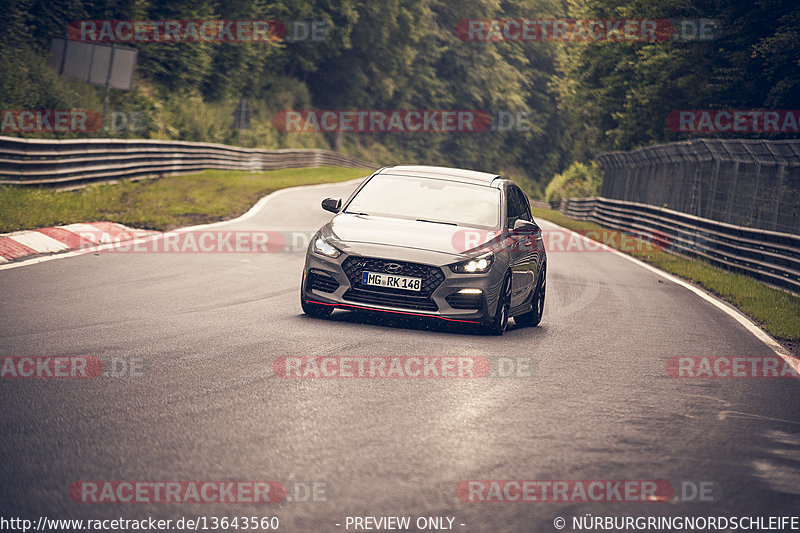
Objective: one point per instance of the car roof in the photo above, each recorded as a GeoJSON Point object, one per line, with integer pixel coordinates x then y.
{"type": "Point", "coordinates": [453, 174]}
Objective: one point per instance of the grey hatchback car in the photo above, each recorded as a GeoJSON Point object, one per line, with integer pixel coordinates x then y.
{"type": "Point", "coordinates": [450, 244]}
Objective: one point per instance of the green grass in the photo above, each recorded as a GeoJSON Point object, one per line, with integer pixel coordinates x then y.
{"type": "Point", "coordinates": [159, 204]}
{"type": "Point", "coordinates": [777, 311]}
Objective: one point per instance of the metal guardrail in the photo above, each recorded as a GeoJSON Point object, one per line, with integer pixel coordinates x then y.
{"type": "Point", "coordinates": [66, 162]}
{"type": "Point", "coordinates": [770, 256]}
{"type": "Point", "coordinates": [540, 204]}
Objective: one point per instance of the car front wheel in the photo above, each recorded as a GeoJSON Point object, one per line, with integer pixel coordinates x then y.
{"type": "Point", "coordinates": [533, 317]}
{"type": "Point", "coordinates": [498, 324]}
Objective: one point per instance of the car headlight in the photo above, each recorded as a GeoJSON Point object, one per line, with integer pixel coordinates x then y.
{"type": "Point", "coordinates": [323, 247]}
{"type": "Point", "coordinates": [476, 265]}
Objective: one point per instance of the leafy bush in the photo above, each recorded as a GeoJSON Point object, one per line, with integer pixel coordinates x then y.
{"type": "Point", "coordinates": [578, 181]}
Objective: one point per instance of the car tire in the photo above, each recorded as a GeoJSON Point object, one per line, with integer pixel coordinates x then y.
{"type": "Point", "coordinates": [500, 321]}
{"type": "Point", "coordinates": [533, 317]}
{"type": "Point", "coordinates": [311, 309]}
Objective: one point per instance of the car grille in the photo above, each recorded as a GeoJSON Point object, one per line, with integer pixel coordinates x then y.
{"type": "Point", "coordinates": [431, 277]}
{"type": "Point", "coordinates": [322, 282]}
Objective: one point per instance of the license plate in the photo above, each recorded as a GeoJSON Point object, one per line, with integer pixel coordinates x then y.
{"type": "Point", "coordinates": [379, 279]}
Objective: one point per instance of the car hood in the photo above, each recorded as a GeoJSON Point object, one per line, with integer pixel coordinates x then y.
{"type": "Point", "coordinates": [352, 230]}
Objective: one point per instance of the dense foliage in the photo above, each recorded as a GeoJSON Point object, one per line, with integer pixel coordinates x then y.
{"type": "Point", "coordinates": [578, 181]}
{"type": "Point", "coordinates": [580, 98]}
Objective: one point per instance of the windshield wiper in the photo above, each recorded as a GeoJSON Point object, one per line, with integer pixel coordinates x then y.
{"type": "Point", "coordinates": [437, 222]}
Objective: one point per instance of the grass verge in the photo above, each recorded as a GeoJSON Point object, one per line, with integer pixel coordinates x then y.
{"type": "Point", "coordinates": [777, 311]}
{"type": "Point", "coordinates": [159, 204]}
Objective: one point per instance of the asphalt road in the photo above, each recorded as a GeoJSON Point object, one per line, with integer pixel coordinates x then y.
{"type": "Point", "coordinates": [206, 328]}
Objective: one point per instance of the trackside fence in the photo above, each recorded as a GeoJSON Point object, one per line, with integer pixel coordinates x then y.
{"type": "Point", "coordinates": [744, 182]}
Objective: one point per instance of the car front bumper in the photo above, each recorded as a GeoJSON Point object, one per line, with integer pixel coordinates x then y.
{"type": "Point", "coordinates": [336, 282]}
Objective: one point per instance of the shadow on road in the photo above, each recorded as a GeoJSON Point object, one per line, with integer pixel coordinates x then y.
{"type": "Point", "coordinates": [416, 323]}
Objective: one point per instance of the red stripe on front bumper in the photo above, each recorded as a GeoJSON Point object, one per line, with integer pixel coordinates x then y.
{"type": "Point", "coordinates": [396, 312]}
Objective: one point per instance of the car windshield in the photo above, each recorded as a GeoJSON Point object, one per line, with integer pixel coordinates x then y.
{"type": "Point", "coordinates": [431, 200]}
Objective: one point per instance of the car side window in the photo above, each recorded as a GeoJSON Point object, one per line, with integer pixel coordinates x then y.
{"type": "Point", "coordinates": [511, 207]}
{"type": "Point", "coordinates": [526, 205]}
{"type": "Point", "coordinates": [516, 208]}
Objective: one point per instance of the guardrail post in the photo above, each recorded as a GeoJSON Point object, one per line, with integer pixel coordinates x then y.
{"type": "Point", "coordinates": [732, 192]}
{"type": "Point", "coordinates": [778, 194]}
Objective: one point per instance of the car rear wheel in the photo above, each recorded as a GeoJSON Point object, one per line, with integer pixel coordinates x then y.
{"type": "Point", "coordinates": [500, 321]}
{"type": "Point", "coordinates": [533, 317]}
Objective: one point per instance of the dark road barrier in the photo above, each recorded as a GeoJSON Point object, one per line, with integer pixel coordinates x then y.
{"type": "Point", "coordinates": [769, 256]}
{"type": "Point", "coordinates": [75, 161]}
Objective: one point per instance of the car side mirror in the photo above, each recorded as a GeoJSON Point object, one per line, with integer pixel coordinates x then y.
{"type": "Point", "coordinates": [525, 226]}
{"type": "Point", "coordinates": [332, 204]}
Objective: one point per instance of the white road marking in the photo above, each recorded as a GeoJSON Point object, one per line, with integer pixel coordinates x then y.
{"type": "Point", "coordinates": [732, 312]}
{"type": "Point", "coordinates": [263, 202]}
{"type": "Point", "coordinates": [722, 415]}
